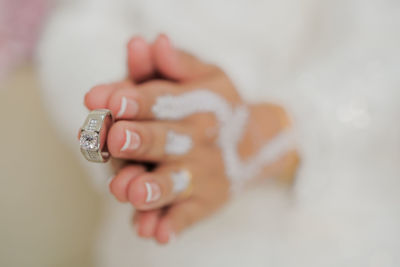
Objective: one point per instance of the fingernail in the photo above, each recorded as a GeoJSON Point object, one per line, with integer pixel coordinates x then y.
{"type": "Point", "coordinates": [128, 109]}
{"type": "Point", "coordinates": [153, 192]}
{"type": "Point", "coordinates": [132, 141]}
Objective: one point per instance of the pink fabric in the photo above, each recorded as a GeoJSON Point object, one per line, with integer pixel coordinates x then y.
{"type": "Point", "coordinates": [20, 22]}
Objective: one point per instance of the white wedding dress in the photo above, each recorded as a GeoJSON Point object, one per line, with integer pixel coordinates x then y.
{"type": "Point", "coordinates": [333, 64]}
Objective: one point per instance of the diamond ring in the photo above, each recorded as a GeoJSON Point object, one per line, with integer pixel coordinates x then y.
{"type": "Point", "coordinates": [93, 135]}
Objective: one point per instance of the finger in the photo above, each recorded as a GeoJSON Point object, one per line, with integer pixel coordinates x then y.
{"type": "Point", "coordinates": [150, 140]}
{"type": "Point", "coordinates": [179, 217]}
{"type": "Point", "coordinates": [147, 222]}
{"type": "Point", "coordinates": [174, 64]}
{"type": "Point", "coordinates": [137, 103]}
{"type": "Point", "coordinates": [136, 217]}
{"type": "Point", "coordinates": [140, 63]}
{"type": "Point", "coordinates": [159, 188]}
{"type": "Point", "coordinates": [119, 184]}
{"type": "Point", "coordinates": [98, 96]}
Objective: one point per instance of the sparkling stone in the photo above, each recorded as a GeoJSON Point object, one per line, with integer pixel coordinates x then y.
{"type": "Point", "coordinates": [89, 140]}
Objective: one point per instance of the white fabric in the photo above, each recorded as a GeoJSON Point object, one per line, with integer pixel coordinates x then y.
{"type": "Point", "coordinates": [333, 64]}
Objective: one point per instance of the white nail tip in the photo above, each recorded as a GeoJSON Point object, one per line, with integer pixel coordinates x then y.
{"type": "Point", "coordinates": [149, 192]}
{"type": "Point", "coordinates": [128, 138]}
{"type": "Point", "coordinates": [123, 107]}
{"type": "Point", "coordinates": [132, 141]}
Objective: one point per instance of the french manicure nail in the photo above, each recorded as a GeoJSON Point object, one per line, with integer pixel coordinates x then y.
{"type": "Point", "coordinates": [129, 108]}
{"type": "Point", "coordinates": [132, 141]}
{"type": "Point", "coordinates": [153, 192]}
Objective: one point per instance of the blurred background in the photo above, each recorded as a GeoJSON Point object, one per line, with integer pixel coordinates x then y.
{"type": "Point", "coordinates": [48, 209]}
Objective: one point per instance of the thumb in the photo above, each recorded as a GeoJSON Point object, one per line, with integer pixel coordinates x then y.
{"type": "Point", "coordinates": [175, 64]}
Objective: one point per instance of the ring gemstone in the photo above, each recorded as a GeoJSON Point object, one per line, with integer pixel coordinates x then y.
{"type": "Point", "coordinates": [89, 140]}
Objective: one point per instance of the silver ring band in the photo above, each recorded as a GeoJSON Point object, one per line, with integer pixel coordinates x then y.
{"type": "Point", "coordinates": [93, 135]}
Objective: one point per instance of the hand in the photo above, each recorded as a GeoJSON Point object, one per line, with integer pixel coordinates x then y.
{"type": "Point", "coordinates": [145, 132]}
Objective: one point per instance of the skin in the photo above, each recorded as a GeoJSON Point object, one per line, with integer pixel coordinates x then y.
{"type": "Point", "coordinates": [154, 70]}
